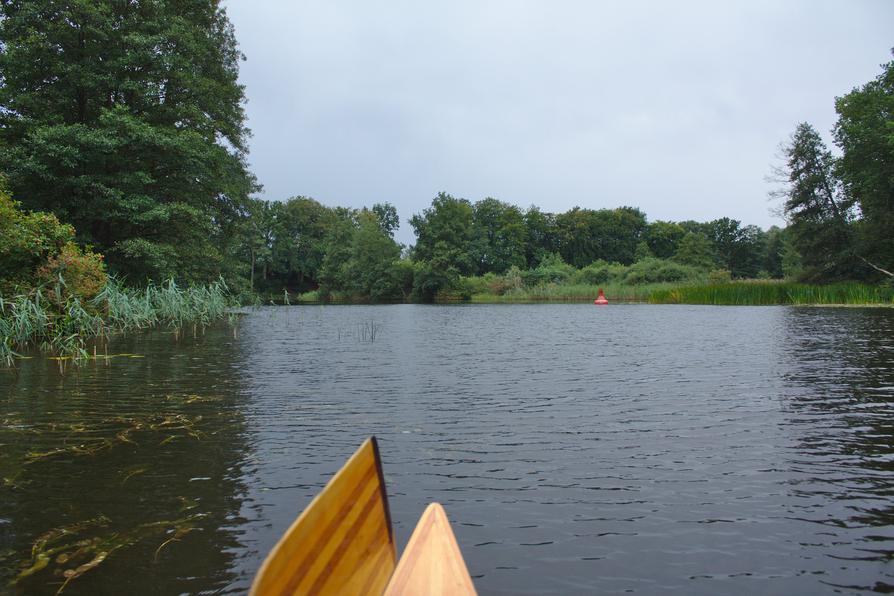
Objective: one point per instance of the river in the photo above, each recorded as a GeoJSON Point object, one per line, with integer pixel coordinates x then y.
{"type": "Point", "coordinates": [577, 449]}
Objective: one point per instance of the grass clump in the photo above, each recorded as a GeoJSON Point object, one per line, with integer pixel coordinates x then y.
{"type": "Point", "coordinates": [33, 320]}
{"type": "Point", "coordinates": [775, 293]}
{"type": "Point", "coordinates": [555, 281]}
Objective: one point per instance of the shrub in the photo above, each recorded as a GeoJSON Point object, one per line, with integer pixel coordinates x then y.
{"type": "Point", "coordinates": [491, 283]}
{"type": "Point", "coordinates": [659, 270]}
{"type": "Point", "coordinates": [720, 276]}
{"type": "Point", "coordinates": [27, 240]}
{"type": "Point", "coordinates": [552, 269]}
{"type": "Point", "coordinates": [600, 272]}
{"type": "Point", "coordinates": [73, 272]}
{"type": "Point", "coordinates": [479, 284]}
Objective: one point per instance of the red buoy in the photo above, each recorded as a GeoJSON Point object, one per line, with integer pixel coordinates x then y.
{"type": "Point", "coordinates": [601, 299]}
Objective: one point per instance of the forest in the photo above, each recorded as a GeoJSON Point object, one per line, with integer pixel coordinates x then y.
{"type": "Point", "coordinates": [123, 147]}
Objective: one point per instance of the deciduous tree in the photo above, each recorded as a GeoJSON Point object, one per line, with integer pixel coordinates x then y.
{"type": "Point", "coordinates": [865, 134]}
{"type": "Point", "coordinates": [126, 119]}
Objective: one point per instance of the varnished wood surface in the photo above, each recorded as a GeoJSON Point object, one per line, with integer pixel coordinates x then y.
{"type": "Point", "coordinates": [432, 563]}
{"type": "Point", "coordinates": [342, 542]}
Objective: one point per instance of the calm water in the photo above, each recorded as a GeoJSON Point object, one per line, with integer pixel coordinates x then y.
{"type": "Point", "coordinates": [646, 449]}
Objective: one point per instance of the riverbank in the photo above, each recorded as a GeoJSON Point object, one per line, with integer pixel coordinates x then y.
{"type": "Point", "coordinates": [741, 293]}
{"type": "Point", "coordinates": [777, 293]}
{"type": "Point", "coordinates": [572, 293]}
{"type": "Point", "coordinates": [63, 328]}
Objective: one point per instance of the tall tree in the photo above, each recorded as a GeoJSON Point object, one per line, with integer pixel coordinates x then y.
{"type": "Point", "coordinates": [774, 251]}
{"type": "Point", "coordinates": [695, 250]}
{"type": "Point", "coordinates": [542, 236]}
{"type": "Point", "coordinates": [369, 270]}
{"type": "Point", "coordinates": [737, 249]}
{"type": "Point", "coordinates": [303, 232]}
{"type": "Point", "coordinates": [499, 235]}
{"type": "Point", "coordinates": [609, 234]}
{"type": "Point", "coordinates": [126, 119]}
{"type": "Point", "coordinates": [386, 215]}
{"type": "Point", "coordinates": [663, 238]}
{"type": "Point", "coordinates": [818, 210]}
{"type": "Point", "coordinates": [865, 134]}
{"type": "Point", "coordinates": [444, 234]}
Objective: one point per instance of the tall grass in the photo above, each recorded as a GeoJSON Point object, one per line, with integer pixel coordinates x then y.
{"type": "Point", "coordinates": [30, 321]}
{"type": "Point", "coordinates": [766, 293]}
{"type": "Point", "coordinates": [573, 293]}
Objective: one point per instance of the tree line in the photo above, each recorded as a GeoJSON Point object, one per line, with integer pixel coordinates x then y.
{"type": "Point", "coordinates": [300, 244]}
{"type": "Point", "coordinates": [123, 141]}
{"type": "Point", "coordinates": [840, 208]}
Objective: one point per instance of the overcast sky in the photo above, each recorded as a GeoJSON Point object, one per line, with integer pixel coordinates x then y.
{"type": "Point", "coordinates": [677, 108]}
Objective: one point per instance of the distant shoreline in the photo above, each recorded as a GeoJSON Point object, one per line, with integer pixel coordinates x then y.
{"type": "Point", "coordinates": [737, 293]}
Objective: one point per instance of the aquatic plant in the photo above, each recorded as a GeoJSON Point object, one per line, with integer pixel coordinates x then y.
{"type": "Point", "coordinates": [30, 320]}
{"type": "Point", "coordinates": [573, 293]}
{"type": "Point", "coordinates": [768, 293]}
{"type": "Point", "coordinates": [74, 549]}
{"type": "Point", "coordinates": [365, 332]}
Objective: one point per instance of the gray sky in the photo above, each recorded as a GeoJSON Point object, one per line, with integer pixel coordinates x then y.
{"type": "Point", "coordinates": [677, 108]}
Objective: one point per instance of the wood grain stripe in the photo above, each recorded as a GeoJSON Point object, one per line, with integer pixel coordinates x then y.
{"type": "Point", "coordinates": [300, 570]}
{"type": "Point", "coordinates": [346, 542]}
{"type": "Point", "coordinates": [342, 542]}
{"type": "Point", "coordinates": [377, 569]}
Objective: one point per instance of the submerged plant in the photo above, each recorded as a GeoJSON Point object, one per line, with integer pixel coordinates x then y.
{"type": "Point", "coordinates": [74, 549]}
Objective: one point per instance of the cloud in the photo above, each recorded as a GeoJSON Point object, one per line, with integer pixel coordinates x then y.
{"type": "Point", "coordinates": [676, 108]}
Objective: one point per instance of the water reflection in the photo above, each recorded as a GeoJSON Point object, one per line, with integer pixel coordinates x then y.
{"type": "Point", "coordinates": [840, 395]}
{"type": "Point", "coordinates": [655, 449]}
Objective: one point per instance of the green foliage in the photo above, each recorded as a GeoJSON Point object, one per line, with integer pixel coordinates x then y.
{"type": "Point", "coordinates": [654, 270]}
{"type": "Point", "coordinates": [792, 266]}
{"type": "Point", "coordinates": [865, 134]}
{"type": "Point", "coordinates": [444, 236]}
{"type": "Point", "coordinates": [612, 235]}
{"type": "Point", "coordinates": [573, 293]}
{"type": "Point", "coordinates": [735, 248]}
{"type": "Point", "coordinates": [552, 269]}
{"type": "Point", "coordinates": [27, 241]}
{"type": "Point", "coordinates": [386, 215]}
{"type": "Point", "coordinates": [369, 270]}
{"type": "Point", "coordinates": [126, 120]}
{"type": "Point", "coordinates": [817, 207]}
{"type": "Point", "coordinates": [663, 238]}
{"type": "Point", "coordinates": [72, 273]}
{"type": "Point", "coordinates": [64, 327]}
{"type": "Point", "coordinates": [774, 251]}
{"type": "Point", "coordinates": [643, 251]}
{"type": "Point", "coordinates": [499, 235]}
{"type": "Point", "coordinates": [769, 293]}
{"type": "Point", "coordinates": [600, 272]}
{"type": "Point", "coordinates": [542, 235]}
{"type": "Point", "coordinates": [298, 235]}
{"type": "Point", "coordinates": [719, 276]}
{"type": "Point", "coordinates": [438, 275]}
{"type": "Point", "coordinates": [555, 280]}
{"type": "Point", "coordinates": [695, 250]}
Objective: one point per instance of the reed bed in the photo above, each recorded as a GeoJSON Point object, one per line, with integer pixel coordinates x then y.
{"type": "Point", "coordinates": [31, 320]}
{"type": "Point", "coordinates": [574, 293]}
{"type": "Point", "coordinates": [770, 293]}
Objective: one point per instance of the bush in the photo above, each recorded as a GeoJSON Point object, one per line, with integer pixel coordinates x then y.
{"type": "Point", "coordinates": [491, 283]}
{"type": "Point", "coordinates": [73, 272]}
{"type": "Point", "coordinates": [27, 240]}
{"type": "Point", "coordinates": [720, 276]}
{"type": "Point", "coordinates": [479, 284]}
{"type": "Point", "coordinates": [552, 269]}
{"type": "Point", "coordinates": [600, 272]}
{"type": "Point", "coordinates": [659, 270]}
